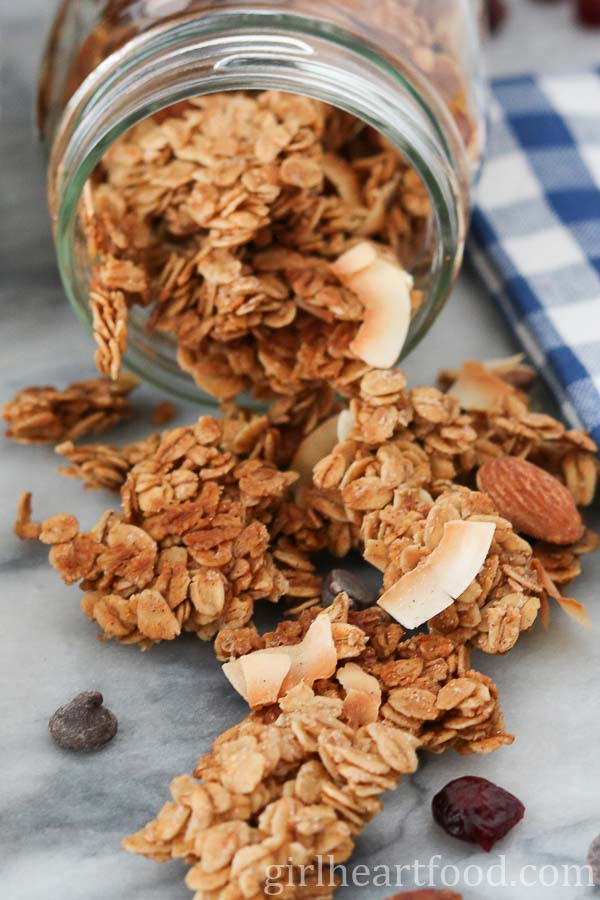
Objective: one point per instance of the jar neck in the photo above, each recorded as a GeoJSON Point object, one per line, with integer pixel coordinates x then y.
{"type": "Point", "coordinates": [259, 50]}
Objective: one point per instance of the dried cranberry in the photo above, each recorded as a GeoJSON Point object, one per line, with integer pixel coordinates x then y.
{"type": "Point", "coordinates": [588, 12]}
{"type": "Point", "coordinates": [497, 13]}
{"type": "Point", "coordinates": [475, 810]}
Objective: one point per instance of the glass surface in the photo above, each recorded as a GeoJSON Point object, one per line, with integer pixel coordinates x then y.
{"type": "Point", "coordinates": [439, 38]}
{"type": "Point", "coordinates": [410, 68]}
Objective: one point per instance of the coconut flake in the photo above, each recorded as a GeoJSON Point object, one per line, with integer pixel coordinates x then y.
{"type": "Point", "coordinates": [232, 671]}
{"type": "Point", "coordinates": [575, 610]}
{"type": "Point", "coordinates": [363, 695]}
{"type": "Point", "coordinates": [262, 677]}
{"type": "Point", "coordinates": [314, 657]}
{"type": "Point", "coordinates": [345, 425]}
{"type": "Point", "coordinates": [446, 573]}
{"type": "Point", "coordinates": [311, 450]}
{"type": "Point", "coordinates": [383, 287]}
{"type": "Point", "coordinates": [343, 178]}
{"type": "Point", "coordinates": [479, 389]}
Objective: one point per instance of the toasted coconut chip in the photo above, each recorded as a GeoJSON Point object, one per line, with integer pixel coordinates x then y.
{"type": "Point", "coordinates": [545, 612]}
{"type": "Point", "coordinates": [314, 657]}
{"type": "Point", "coordinates": [549, 586]}
{"type": "Point", "coordinates": [547, 583]}
{"type": "Point", "coordinates": [446, 573]}
{"type": "Point", "coordinates": [262, 677]}
{"type": "Point", "coordinates": [575, 610]}
{"type": "Point", "coordinates": [354, 261]}
{"type": "Point", "coordinates": [477, 388]}
{"type": "Point", "coordinates": [351, 676]}
{"type": "Point", "coordinates": [345, 425]}
{"type": "Point", "coordinates": [513, 369]}
{"type": "Point", "coordinates": [361, 708]}
{"type": "Point", "coordinates": [383, 287]}
{"type": "Point", "coordinates": [363, 695]}
{"type": "Point", "coordinates": [312, 449]}
{"type": "Point", "coordinates": [235, 676]}
{"type": "Point", "coordinates": [343, 178]}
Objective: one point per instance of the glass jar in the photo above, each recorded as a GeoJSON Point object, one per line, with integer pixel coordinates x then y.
{"type": "Point", "coordinates": [410, 69]}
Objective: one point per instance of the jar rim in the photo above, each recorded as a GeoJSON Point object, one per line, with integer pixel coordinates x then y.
{"type": "Point", "coordinates": [253, 50]}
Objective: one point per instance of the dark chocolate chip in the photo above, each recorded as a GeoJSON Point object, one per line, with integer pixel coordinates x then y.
{"type": "Point", "coordinates": [338, 580]}
{"type": "Point", "coordinates": [84, 723]}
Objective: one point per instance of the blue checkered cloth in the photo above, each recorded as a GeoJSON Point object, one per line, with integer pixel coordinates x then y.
{"type": "Point", "coordinates": [536, 229]}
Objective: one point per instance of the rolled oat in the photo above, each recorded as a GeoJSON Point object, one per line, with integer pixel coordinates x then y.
{"type": "Point", "coordinates": [46, 415]}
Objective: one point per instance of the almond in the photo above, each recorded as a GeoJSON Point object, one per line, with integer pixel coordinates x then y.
{"type": "Point", "coordinates": [535, 502]}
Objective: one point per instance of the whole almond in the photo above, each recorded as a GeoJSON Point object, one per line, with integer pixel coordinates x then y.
{"type": "Point", "coordinates": [536, 503]}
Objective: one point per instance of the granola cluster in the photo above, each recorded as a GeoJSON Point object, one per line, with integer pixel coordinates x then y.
{"type": "Point", "coordinates": [217, 501]}
{"type": "Point", "coordinates": [389, 487]}
{"type": "Point", "coordinates": [194, 547]}
{"type": "Point", "coordinates": [46, 415]}
{"type": "Point", "coordinates": [291, 784]}
{"type": "Point", "coordinates": [230, 239]}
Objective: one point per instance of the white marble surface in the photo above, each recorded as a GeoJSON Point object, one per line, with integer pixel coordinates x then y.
{"type": "Point", "coordinates": [62, 815]}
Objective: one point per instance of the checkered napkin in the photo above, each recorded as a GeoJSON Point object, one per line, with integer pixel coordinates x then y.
{"type": "Point", "coordinates": [536, 229]}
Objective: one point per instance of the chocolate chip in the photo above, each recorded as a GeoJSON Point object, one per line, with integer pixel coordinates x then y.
{"type": "Point", "coordinates": [84, 723]}
{"type": "Point", "coordinates": [338, 580]}
{"type": "Point", "coordinates": [594, 860]}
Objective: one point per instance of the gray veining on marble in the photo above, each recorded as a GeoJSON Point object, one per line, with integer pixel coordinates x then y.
{"type": "Point", "coordinates": [61, 815]}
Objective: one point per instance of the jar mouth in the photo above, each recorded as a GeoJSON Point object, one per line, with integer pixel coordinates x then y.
{"type": "Point", "coordinates": [253, 50]}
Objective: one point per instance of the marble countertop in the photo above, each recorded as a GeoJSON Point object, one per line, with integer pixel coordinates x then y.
{"type": "Point", "coordinates": [62, 816]}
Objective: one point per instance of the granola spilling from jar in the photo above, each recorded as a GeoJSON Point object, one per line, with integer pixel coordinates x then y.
{"type": "Point", "coordinates": [282, 244]}
{"type": "Point", "coordinates": [279, 242]}
{"type": "Point", "coordinates": [224, 513]}
{"type": "Point", "coordinates": [233, 219]}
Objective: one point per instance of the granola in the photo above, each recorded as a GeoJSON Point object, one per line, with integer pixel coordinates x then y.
{"type": "Point", "coordinates": [104, 465]}
{"type": "Point", "coordinates": [386, 489]}
{"type": "Point", "coordinates": [245, 433]}
{"type": "Point", "coordinates": [232, 241]}
{"type": "Point", "coordinates": [297, 780]}
{"type": "Point", "coordinates": [46, 415]}
{"type": "Point", "coordinates": [191, 549]}
{"type": "Point", "coordinates": [282, 245]}
{"type": "Point", "coordinates": [163, 413]}
{"type": "Point", "coordinates": [507, 426]}
{"type": "Point", "coordinates": [211, 522]}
